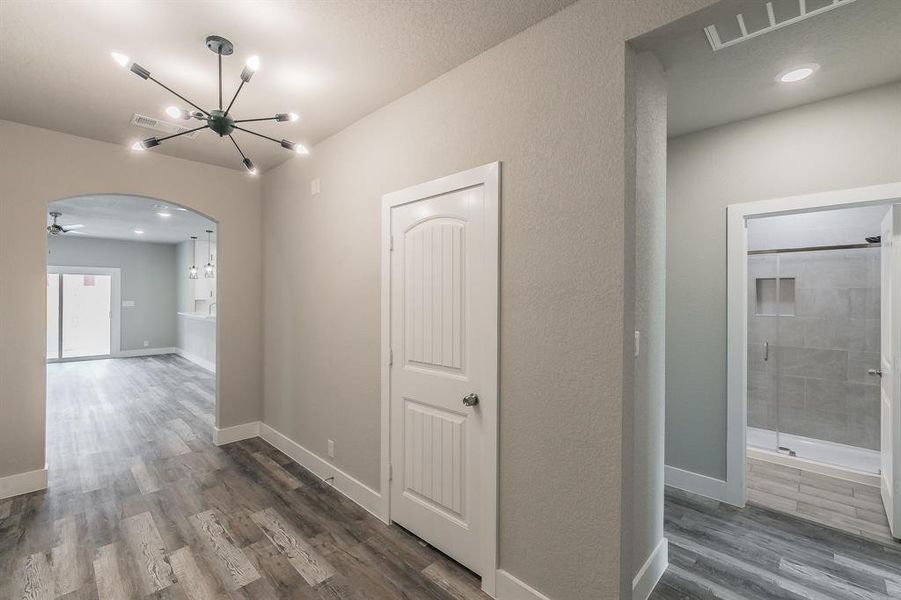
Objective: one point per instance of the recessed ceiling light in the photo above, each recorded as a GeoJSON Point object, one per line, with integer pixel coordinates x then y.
{"type": "Point", "coordinates": [796, 74]}
{"type": "Point", "coordinates": [164, 214]}
{"type": "Point", "coordinates": [139, 231]}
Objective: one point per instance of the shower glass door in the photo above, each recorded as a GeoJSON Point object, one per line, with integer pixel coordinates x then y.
{"type": "Point", "coordinates": [813, 333]}
{"type": "Point", "coordinates": [764, 291]}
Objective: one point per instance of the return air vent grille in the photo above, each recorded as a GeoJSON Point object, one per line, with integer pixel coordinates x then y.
{"type": "Point", "coordinates": [161, 126]}
{"type": "Point", "coordinates": [769, 16]}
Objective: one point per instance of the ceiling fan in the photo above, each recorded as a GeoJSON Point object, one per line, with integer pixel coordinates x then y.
{"type": "Point", "coordinates": [56, 229]}
{"type": "Point", "coordinates": [219, 120]}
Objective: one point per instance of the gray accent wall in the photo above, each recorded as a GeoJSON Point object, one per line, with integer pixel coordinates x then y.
{"type": "Point", "coordinates": [845, 142]}
{"type": "Point", "coordinates": [149, 279]}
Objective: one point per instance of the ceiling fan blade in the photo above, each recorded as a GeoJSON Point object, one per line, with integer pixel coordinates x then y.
{"type": "Point", "coordinates": [76, 226]}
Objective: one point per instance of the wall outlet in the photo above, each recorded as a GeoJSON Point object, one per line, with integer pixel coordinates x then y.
{"type": "Point", "coordinates": [314, 187]}
{"type": "Point", "coordinates": [146, 343]}
{"type": "Point", "coordinates": [331, 449]}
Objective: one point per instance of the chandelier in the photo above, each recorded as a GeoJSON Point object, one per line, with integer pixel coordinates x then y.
{"type": "Point", "coordinates": [218, 120]}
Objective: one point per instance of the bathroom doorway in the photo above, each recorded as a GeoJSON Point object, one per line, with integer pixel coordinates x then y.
{"type": "Point", "coordinates": [812, 290]}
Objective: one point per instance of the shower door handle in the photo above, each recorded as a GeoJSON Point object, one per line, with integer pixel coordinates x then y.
{"type": "Point", "coordinates": [766, 351]}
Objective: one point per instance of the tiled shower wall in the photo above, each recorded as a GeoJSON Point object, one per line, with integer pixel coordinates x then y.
{"type": "Point", "coordinates": [818, 360]}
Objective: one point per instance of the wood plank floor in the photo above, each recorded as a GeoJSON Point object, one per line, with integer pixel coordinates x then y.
{"type": "Point", "coordinates": [846, 505]}
{"type": "Point", "coordinates": [141, 504]}
{"type": "Point", "coordinates": [718, 551]}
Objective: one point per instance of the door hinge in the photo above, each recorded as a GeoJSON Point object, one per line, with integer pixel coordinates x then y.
{"type": "Point", "coordinates": [390, 357]}
{"type": "Point", "coordinates": [390, 243]}
{"type": "Point", "coordinates": [390, 472]}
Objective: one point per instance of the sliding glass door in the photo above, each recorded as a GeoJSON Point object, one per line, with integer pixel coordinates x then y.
{"type": "Point", "coordinates": [79, 314]}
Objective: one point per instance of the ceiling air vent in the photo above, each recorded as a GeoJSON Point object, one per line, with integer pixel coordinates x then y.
{"type": "Point", "coordinates": [768, 18]}
{"type": "Point", "coordinates": [161, 126]}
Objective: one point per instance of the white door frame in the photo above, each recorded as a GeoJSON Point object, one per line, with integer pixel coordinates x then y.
{"type": "Point", "coordinates": [115, 305]}
{"type": "Point", "coordinates": [489, 177]}
{"type": "Point", "coordinates": [735, 486]}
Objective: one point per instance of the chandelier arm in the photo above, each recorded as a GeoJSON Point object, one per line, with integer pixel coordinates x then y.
{"type": "Point", "coordinates": [168, 89]}
{"type": "Point", "coordinates": [259, 135]}
{"type": "Point", "coordinates": [260, 119]}
{"type": "Point", "coordinates": [175, 135]}
{"type": "Point", "coordinates": [235, 97]}
{"type": "Point", "coordinates": [237, 147]}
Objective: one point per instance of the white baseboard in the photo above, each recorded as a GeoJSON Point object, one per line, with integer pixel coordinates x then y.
{"type": "Point", "coordinates": [144, 352]}
{"type": "Point", "coordinates": [202, 362]}
{"type": "Point", "coordinates": [511, 588]}
{"type": "Point", "coordinates": [356, 490]}
{"type": "Point", "coordinates": [23, 483]}
{"type": "Point", "coordinates": [702, 485]}
{"type": "Point", "coordinates": [236, 433]}
{"type": "Point", "coordinates": [651, 572]}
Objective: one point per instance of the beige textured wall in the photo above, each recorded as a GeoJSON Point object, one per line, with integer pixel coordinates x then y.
{"type": "Point", "coordinates": [550, 104]}
{"type": "Point", "coordinates": [38, 166]}
{"type": "Point", "coordinates": [844, 142]}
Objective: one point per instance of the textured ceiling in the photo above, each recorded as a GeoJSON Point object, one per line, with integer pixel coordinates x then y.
{"type": "Point", "coordinates": [331, 61]}
{"type": "Point", "coordinates": [857, 45]}
{"type": "Point", "coordinates": [116, 216]}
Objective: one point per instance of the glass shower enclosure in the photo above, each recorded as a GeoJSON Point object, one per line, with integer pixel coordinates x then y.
{"type": "Point", "coordinates": [813, 334]}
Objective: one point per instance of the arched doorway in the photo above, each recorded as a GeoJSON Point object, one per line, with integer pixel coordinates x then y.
{"type": "Point", "coordinates": [131, 341]}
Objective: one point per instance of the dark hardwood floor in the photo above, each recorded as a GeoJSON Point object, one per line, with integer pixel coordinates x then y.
{"type": "Point", "coordinates": [141, 504]}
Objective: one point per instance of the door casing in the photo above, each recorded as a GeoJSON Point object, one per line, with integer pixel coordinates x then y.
{"type": "Point", "coordinates": [734, 489]}
{"type": "Point", "coordinates": [488, 176]}
{"type": "Point", "coordinates": [115, 305]}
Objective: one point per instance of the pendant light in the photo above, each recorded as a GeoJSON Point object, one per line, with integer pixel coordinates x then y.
{"type": "Point", "coordinates": [209, 270]}
{"type": "Point", "coordinates": [192, 272]}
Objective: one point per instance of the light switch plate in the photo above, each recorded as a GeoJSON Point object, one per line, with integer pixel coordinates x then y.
{"type": "Point", "coordinates": [331, 449]}
{"type": "Point", "coordinates": [314, 187]}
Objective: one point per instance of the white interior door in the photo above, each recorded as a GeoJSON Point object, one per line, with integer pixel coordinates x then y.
{"type": "Point", "coordinates": [890, 367]}
{"type": "Point", "coordinates": [443, 373]}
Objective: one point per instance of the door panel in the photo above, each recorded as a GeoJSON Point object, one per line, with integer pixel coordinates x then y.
{"type": "Point", "coordinates": [434, 445]}
{"type": "Point", "coordinates": [434, 319]}
{"type": "Point", "coordinates": [890, 361]}
{"type": "Point", "coordinates": [439, 357]}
